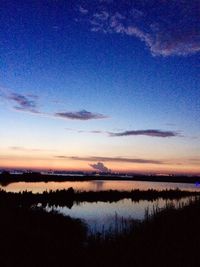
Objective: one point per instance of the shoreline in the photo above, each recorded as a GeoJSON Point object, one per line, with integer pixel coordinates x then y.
{"type": "Point", "coordinates": [70, 196]}
{"type": "Point", "coordinates": [6, 179]}
{"type": "Point", "coordinates": [46, 238]}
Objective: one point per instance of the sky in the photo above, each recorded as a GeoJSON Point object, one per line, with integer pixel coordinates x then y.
{"type": "Point", "coordinates": [101, 85]}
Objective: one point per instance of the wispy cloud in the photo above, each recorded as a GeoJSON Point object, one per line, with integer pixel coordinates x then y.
{"type": "Point", "coordinates": [149, 132]}
{"type": "Point", "coordinates": [83, 10]}
{"type": "Point", "coordinates": [25, 149]}
{"type": "Point", "coordinates": [164, 31]}
{"type": "Point", "coordinates": [112, 159]}
{"type": "Point", "coordinates": [99, 166]}
{"type": "Point", "coordinates": [195, 160]}
{"type": "Point", "coordinates": [80, 115]}
{"type": "Point", "coordinates": [85, 131]}
{"type": "Point", "coordinates": [29, 103]}
{"type": "Point", "coordinates": [21, 102]}
{"type": "Point", "coordinates": [20, 148]}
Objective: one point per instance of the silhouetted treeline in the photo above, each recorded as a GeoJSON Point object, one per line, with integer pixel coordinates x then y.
{"type": "Point", "coordinates": [7, 178]}
{"type": "Point", "coordinates": [69, 197]}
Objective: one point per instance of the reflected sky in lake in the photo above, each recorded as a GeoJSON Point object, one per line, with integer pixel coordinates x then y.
{"type": "Point", "coordinates": [101, 216]}
{"type": "Point", "coordinates": [96, 185]}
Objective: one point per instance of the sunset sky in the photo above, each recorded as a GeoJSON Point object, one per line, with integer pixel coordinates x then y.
{"type": "Point", "coordinates": [100, 84]}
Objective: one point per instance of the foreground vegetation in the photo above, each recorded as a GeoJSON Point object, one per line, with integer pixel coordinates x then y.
{"type": "Point", "coordinates": [32, 237]}
{"type": "Point", "coordinates": [70, 196]}
{"type": "Point", "coordinates": [167, 238]}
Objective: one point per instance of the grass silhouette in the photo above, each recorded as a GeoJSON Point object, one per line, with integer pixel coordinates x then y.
{"type": "Point", "coordinates": [69, 196]}
{"type": "Point", "coordinates": [33, 237]}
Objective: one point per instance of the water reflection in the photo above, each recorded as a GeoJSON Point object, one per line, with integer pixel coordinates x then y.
{"type": "Point", "coordinates": [96, 185]}
{"type": "Point", "coordinates": [101, 216]}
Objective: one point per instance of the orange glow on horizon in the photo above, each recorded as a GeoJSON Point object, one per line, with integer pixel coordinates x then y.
{"type": "Point", "coordinates": [47, 164]}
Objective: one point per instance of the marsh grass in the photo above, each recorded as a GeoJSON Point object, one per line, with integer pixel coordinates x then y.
{"type": "Point", "coordinates": [32, 237]}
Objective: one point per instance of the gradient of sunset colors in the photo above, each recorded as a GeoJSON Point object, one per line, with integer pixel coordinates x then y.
{"type": "Point", "coordinates": [100, 85]}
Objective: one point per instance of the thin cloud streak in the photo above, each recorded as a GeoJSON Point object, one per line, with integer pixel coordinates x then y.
{"type": "Point", "coordinates": [84, 131]}
{"type": "Point", "coordinates": [21, 102]}
{"type": "Point", "coordinates": [28, 103]}
{"type": "Point", "coordinates": [80, 115]}
{"type": "Point", "coordinates": [149, 132]}
{"type": "Point", "coordinates": [112, 159]}
{"type": "Point", "coordinates": [24, 104]}
{"type": "Point", "coordinates": [20, 148]}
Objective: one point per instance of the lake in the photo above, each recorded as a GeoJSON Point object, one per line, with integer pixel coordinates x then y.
{"type": "Point", "coordinates": [96, 185]}
{"type": "Point", "coordinates": [102, 216]}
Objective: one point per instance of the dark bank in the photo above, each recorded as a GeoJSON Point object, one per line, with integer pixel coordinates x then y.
{"type": "Point", "coordinates": [33, 237]}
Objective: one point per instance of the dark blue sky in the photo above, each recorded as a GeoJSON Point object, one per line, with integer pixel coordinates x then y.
{"type": "Point", "coordinates": [107, 66]}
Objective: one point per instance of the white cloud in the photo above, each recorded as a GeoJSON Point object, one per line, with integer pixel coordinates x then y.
{"type": "Point", "coordinates": [164, 31]}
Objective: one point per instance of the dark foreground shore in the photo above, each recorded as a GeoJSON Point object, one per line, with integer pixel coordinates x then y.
{"type": "Point", "coordinates": [32, 237]}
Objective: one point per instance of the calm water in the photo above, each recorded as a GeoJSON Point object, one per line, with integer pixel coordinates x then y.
{"type": "Point", "coordinates": [101, 216]}
{"type": "Point", "coordinates": [95, 185]}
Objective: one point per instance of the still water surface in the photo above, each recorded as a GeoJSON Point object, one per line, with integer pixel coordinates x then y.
{"type": "Point", "coordinates": [102, 216]}
{"type": "Point", "coordinates": [96, 185]}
